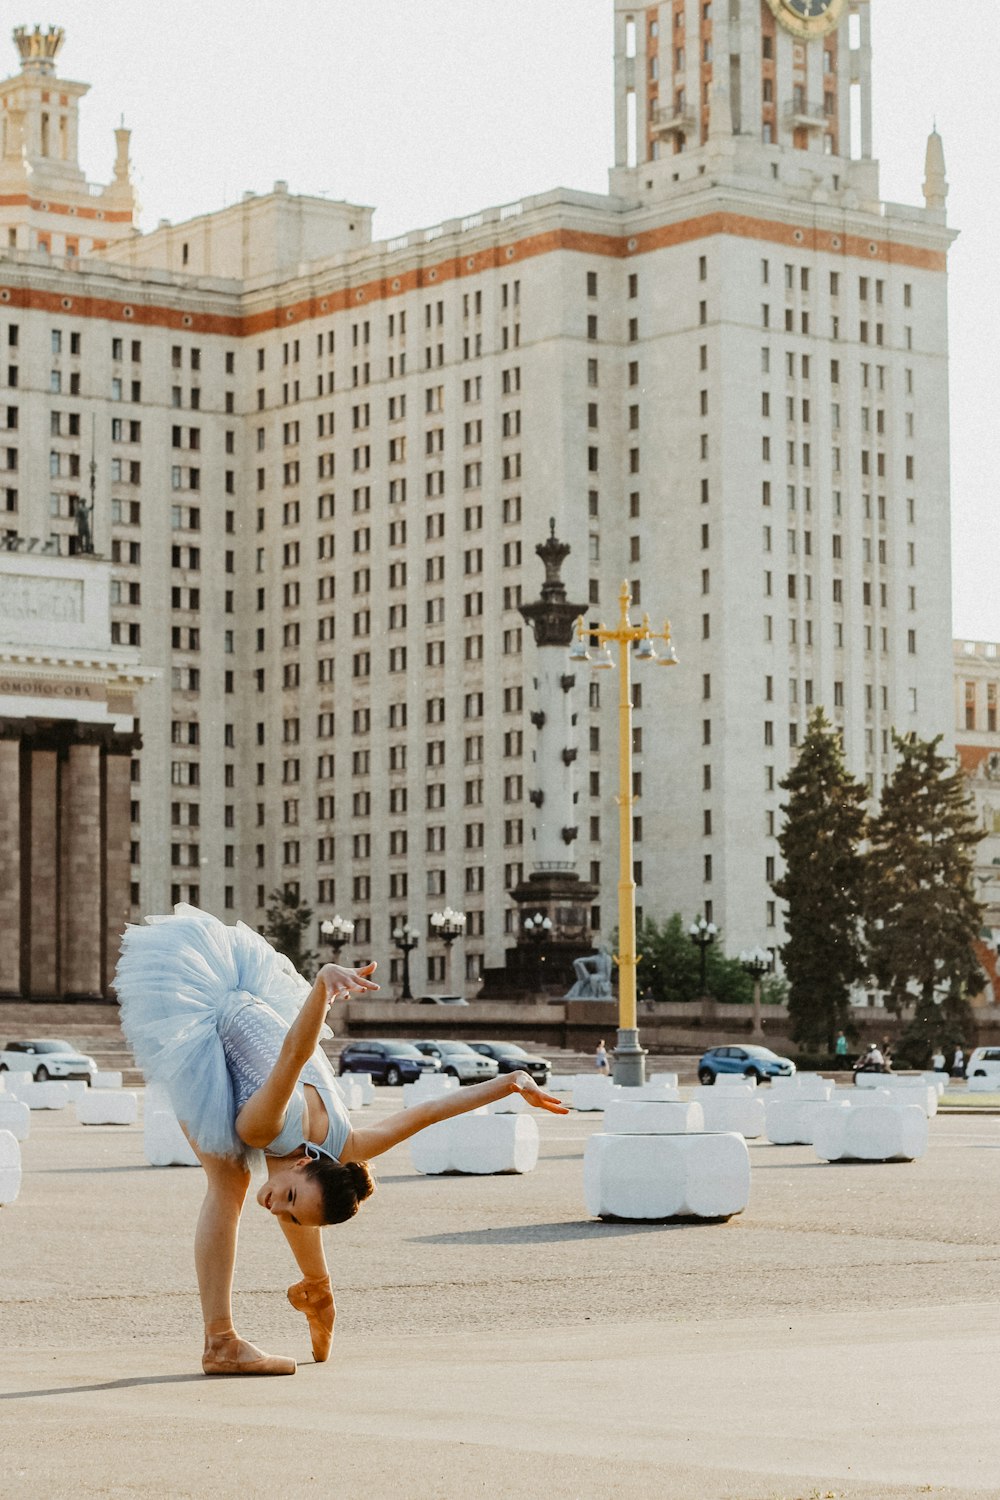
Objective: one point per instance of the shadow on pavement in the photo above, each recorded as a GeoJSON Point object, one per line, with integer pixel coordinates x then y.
{"type": "Point", "coordinates": [532, 1234]}
{"type": "Point", "coordinates": [104, 1385]}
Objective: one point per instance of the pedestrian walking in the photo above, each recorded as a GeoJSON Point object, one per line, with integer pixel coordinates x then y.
{"type": "Point", "coordinates": [601, 1060]}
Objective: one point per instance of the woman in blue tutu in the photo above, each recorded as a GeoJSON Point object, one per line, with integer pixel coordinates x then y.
{"type": "Point", "coordinates": [232, 1032]}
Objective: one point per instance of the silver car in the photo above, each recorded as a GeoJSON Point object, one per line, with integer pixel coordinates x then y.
{"type": "Point", "coordinates": [458, 1060]}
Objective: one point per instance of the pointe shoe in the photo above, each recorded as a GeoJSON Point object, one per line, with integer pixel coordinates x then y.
{"type": "Point", "coordinates": [315, 1299]}
{"type": "Point", "coordinates": [222, 1357]}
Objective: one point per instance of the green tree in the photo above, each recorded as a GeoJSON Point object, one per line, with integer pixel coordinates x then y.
{"type": "Point", "coordinates": [822, 887]}
{"type": "Point", "coordinates": [922, 914]}
{"type": "Point", "coordinates": [286, 925]}
{"type": "Point", "coordinates": [670, 968]}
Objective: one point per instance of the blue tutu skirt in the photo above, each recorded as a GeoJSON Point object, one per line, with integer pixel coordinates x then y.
{"type": "Point", "coordinates": [178, 980]}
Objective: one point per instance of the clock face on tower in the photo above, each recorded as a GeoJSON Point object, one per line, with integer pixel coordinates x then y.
{"type": "Point", "coordinates": [808, 18]}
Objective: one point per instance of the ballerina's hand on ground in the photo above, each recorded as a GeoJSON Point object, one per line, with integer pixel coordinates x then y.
{"type": "Point", "coordinates": [526, 1085]}
{"type": "Point", "coordinates": [342, 982]}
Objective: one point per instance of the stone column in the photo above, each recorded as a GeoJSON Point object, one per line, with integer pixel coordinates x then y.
{"type": "Point", "coordinates": [117, 856]}
{"type": "Point", "coordinates": [43, 875]}
{"type": "Point", "coordinates": [10, 867]}
{"type": "Point", "coordinates": [80, 913]}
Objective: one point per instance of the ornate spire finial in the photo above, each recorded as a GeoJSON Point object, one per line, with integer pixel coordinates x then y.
{"type": "Point", "coordinates": [935, 180]}
{"type": "Point", "coordinates": [551, 617]}
{"type": "Point", "coordinates": [39, 49]}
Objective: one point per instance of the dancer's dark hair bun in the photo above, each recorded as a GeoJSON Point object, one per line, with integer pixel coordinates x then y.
{"type": "Point", "coordinates": [344, 1186]}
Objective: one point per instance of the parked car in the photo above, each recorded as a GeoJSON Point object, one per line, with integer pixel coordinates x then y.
{"type": "Point", "coordinates": [387, 1061]}
{"type": "Point", "coordinates": [46, 1057]}
{"type": "Point", "coordinates": [458, 1060]}
{"type": "Point", "coordinates": [442, 1000]}
{"type": "Point", "coordinates": [751, 1062]}
{"type": "Point", "coordinates": [510, 1058]}
{"type": "Point", "coordinates": [984, 1063]}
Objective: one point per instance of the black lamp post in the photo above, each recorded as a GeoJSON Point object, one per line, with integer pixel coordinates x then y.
{"type": "Point", "coordinates": [337, 932]}
{"type": "Point", "coordinates": [448, 925]}
{"type": "Point", "coordinates": [757, 962]}
{"type": "Point", "coordinates": [703, 934]}
{"type": "Point", "coordinates": [405, 938]}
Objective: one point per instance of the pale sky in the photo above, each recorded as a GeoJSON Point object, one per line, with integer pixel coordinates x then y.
{"type": "Point", "coordinates": [429, 109]}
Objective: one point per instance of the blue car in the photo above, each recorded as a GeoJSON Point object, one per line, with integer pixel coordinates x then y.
{"type": "Point", "coordinates": [751, 1062]}
{"type": "Point", "coordinates": [387, 1061]}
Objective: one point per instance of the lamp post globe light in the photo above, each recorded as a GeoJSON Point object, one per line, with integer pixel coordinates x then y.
{"type": "Point", "coordinates": [448, 925]}
{"type": "Point", "coordinates": [629, 1057]}
{"type": "Point", "coordinates": [757, 962]}
{"type": "Point", "coordinates": [703, 934]}
{"type": "Point", "coordinates": [337, 932]}
{"type": "Point", "coordinates": [405, 938]}
{"type": "Point", "coordinates": [538, 927]}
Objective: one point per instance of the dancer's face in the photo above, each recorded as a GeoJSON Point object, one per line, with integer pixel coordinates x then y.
{"type": "Point", "coordinates": [290, 1195]}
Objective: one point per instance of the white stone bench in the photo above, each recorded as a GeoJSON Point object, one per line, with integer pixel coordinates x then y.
{"type": "Point", "coordinates": [591, 1091]}
{"type": "Point", "coordinates": [938, 1081]}
{"type": "Point", "coordinates": [731, 1109]}
{"type": "Point", "coordinates": [880, 1132]}
{"type": "Point", "coordinates": [350, 1092]}
{"type": "Point", "coordinates": [659, 1089]}
{"type": "Point", "coordinates": [365, 1083]}
{"type": "Point", "coordinates": [561, 1083]}
{"type": "Point", "coordinates": [430, 1086]}
{"type": "Point", "coordinates": [804, 1086]}
{"type": "Point", "coordinates": [108, 1107]}
{"type": "Point", "coordinates": [873, 1080]}
{"type": "Point", "coordinates": [110, 1080]}
{"type": "Point", "coordinates": [40, 1095]}
{"type": "Point", "coordinates": [984, 1085]}
{"type": "Point", "coordinates": [15, 1117]}
{"type": "Point", "coordinates": [477, 1144]}
{"type": "Point", "coordinates": [899, 1091]}
{"type": "Point", "coordinates": [734, 1081]}
{"type": "Point", "coordinates": [666, 1176]}
{"type": "Point", "coordinates": [10, 1168]}
{"type": "Point", "coordinates": [789, 1121]}
{"type": "Point", "coordinates": [513, 1104]}
{"type": "Point", "coordinates": [652, 1117]}
{"type": "Point", "coordinates": [75, 1088]}
{"type": "Point", "coordinates": [164, 1142]}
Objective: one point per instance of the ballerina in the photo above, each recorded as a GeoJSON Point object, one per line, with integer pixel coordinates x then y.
{"type": "Point", "coordinates": [227, 1026]}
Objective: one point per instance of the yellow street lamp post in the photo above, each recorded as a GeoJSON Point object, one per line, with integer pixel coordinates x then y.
{"type": "Point", "coordinates": [629, 1057]}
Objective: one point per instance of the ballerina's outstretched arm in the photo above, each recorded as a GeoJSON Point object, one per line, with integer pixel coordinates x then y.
{"type": "Point", "coordinates": [263, 1115]}
{"type": "Point", "coordinates": [373, 1140]}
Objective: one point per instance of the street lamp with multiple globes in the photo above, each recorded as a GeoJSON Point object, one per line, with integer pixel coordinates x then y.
{"type": "Point", "coordinates": [757, 962]}
{"type": "Point", "coordinates": [629, 1057]}
{"type": "Point", "coordinates": [448, 925]}
{"type": "Point", "coordinates": [703, 934]}
{"type": "Point", "coordinates": [538, 927]}
{"type": "Point", "coordinates": [406, 939]}
{"type": "Point", "coordinates": [337, 932]}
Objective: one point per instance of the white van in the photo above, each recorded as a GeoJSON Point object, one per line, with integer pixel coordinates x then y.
{"type": "Point", "coordinates": [984, 1063]}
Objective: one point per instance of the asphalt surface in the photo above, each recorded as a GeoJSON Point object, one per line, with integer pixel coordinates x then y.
{"type": "Point", "coordinates": [840, 1339]}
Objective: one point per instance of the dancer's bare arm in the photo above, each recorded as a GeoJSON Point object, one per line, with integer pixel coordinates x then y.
{"type": "Point", "coordinates": [373, 1140]}
{"type": "Point", "coordinates": [263, 1115]}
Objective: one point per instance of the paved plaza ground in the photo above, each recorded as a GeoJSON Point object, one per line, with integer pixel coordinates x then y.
{"type": "Point", "coordinates": [840, 1339]}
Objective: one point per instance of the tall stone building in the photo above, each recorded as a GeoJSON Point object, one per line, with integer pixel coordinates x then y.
{"type": "Point", "coordinates": [324, 464]}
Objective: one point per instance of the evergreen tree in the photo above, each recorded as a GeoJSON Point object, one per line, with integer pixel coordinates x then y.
{"type": "Point", "coordinates": [822, 887]}
{"type": "Point", "coordinates": [921, 909]}
{"type": "Point", "coordinates": [285, 928]}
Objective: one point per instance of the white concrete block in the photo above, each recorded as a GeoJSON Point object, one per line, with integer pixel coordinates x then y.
{"type": "Point", "coordinates": [666, 1176]}
{"type": "Point", "coordinates": [592, 1092]}
{"type": "Point", "coordinates": [804, 1086]}
{"type": "Point", "coordinates": [10, 1168]}
{"type": "Point", "coordinates": [561, 1083]}
{"type": "Point", "coordinates": [514, 1104]}
{"type": "Point", "coordinates": [938, 1081]}
{"type": "Point", "coordinates": [652, 1117]}
{"type": "Point", "coordinates": [366, 1084]}
{"type": "Point", "coordinates": [983, 1085]}
{"type": "Point", "coordinates": [657, 1090]}
{"type": "Point", "coordinates": [350, 1092]}
{"type": "Point", "coordinates": [734, 1081]}
{"type": "Point", "coordinates": [429, 1086]}
{"type": "Point", "coordinates": [477, 1144]}
{"type": "Point", "coordinates": [881, 1132]}
{"type": "Point", "coordinates": [871, 1080]}
{"type": "Point", "coordinates": [108, 1107]}
{"type": "Point", "coordinates": [789, 1121]}
{"type": "Point", "coordinates": [75, 1088]}
{"type": "Point", "coordinates": [729, 1110]}
{"type": "Point", "coordinates": [111, 1080]}
{"type": "Point", "coordinates": [164, 1142]}
{"type": "Point", "coordinates": [900, 1091]}
{"type": "Point", "coordinates": [41, 1095]}
{"type": "Point", "coordinates": [15, 1117]}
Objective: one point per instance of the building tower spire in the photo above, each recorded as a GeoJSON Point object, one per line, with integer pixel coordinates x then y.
{"type": "Point", "coordinates": [935, 181]}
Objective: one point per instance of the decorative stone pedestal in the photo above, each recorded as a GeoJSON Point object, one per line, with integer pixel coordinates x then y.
{"type": "Point", "coordinates": [164, 1142]}
{"type": "Point", "coordinates": [430, 1086]}
{"type": "Point", "coordinates": [666, 1176]}
{"type": "Point", "coordinates": [15, 1117]}
{"type": "Point", "coordinates": [10, 1168]}
{"type": "Point", "coordinates": [878, 1132]}
{"type": "Point", "coordinates": [731, 1109]}
{"type": "Point", "coordinates": [108, 1107]}
{"type": "Point", "coordinates": [477, 1144]}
